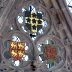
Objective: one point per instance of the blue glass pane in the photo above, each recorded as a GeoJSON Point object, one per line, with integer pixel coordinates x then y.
{"type": "Point", "coordinates": [6, 44]}
{"type": "Point", "coordinates": [7, 55]}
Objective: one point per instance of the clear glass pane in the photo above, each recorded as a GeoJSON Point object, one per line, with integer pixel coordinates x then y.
{"type": "Point", "coordinates": [44, 23]}
{"type": "Point", "coordinates": [15, 38]}
{"type": "Point", "coordinates": [23, 9]}
{"type": "Point", "coordinates": [69, 3]}
{"type": "Point", "coordinates": [32, 8]}
{"type": "Point", "coordinates": [20, 19]}
{"type": "Point", "coordinates": [17, 63]}
{"type": "Point", "coordinates": [41, 31]}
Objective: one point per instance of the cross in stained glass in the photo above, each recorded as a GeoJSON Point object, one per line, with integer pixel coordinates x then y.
{"type": "Point", "coordinates": [33, 21]}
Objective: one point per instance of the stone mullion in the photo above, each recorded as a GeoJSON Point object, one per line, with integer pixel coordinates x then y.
{"type": "Point", "coordinates": [62, 19]}
{"type": "Point", "coordinates": [6, 12]}
{"type": "Point", "coordinates": [60, 31]}
{"type": "Point", "coordinates": [55, 24]}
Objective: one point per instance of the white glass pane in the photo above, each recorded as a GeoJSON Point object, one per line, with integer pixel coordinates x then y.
{"type": "Point", "coordinates": [39, 12]}
{"type": "Point", "coordinates": [41, 31]}
{"type": "Point", "coordinates": [11, 28]}
{"type": "Point", "coordinates": [23, 10]}
{"type": "Point", "coordinates": [33, 9]}
{"type": "Point", "coordinates": [44, 23]}
{"type": "Point", "coordinates": [26, 47]}
{"type": "Point", "coordinates": [48, 65]}
{"type": "Point", "coordinates": [39, 47]}
{"type": "Point", "coordinates": [25, 58]}
{"type": "Point", "coordinates": [17, 63]}
{"type": "Point", "coordinates": [15, 38]}
{"type": "Point", "coordinates": [70, 9]}
{"type": "Point", "coordinates": [20, 19]}
{"type": "Point", "coordinates": [47, 42]}
{"type": "Point", "coordinates": [40, 58]}
{"type": "Point", "coordinates": [23, 29]}
{"type": "Point", "coordinates": [33, 38]}
{"type": "Point", "coordinates": [69, 3]}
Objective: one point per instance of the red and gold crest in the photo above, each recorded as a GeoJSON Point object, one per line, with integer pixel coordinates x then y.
{"type": "Point", "coordinates": [17, 50]}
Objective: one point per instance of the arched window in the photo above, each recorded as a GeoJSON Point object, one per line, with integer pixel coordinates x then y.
{"type": "Point", "coordinates": [32, 22]}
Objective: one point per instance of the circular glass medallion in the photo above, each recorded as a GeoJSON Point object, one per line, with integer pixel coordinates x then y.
{"type": "Point", "coordinates": [51, 52]}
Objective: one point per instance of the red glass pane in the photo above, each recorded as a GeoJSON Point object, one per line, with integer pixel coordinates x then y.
{"type": "Point", "coordinates": [50, 52]}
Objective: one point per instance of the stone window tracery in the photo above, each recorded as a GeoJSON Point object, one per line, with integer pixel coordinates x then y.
{"type": "Point", "coordinates": [32, 22]}
{"type": "Point", "coordinates": [51, 52]}
{"type": "Point", "coordinates": [16, 51]}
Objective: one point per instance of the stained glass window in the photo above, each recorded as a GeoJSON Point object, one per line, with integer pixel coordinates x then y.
{"type": "Point", "coordinates": [16, 50]}
{"type": "Point", "coordinates": [50, 52]}
{"type": "Point", "coordinates": [32, 21]}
